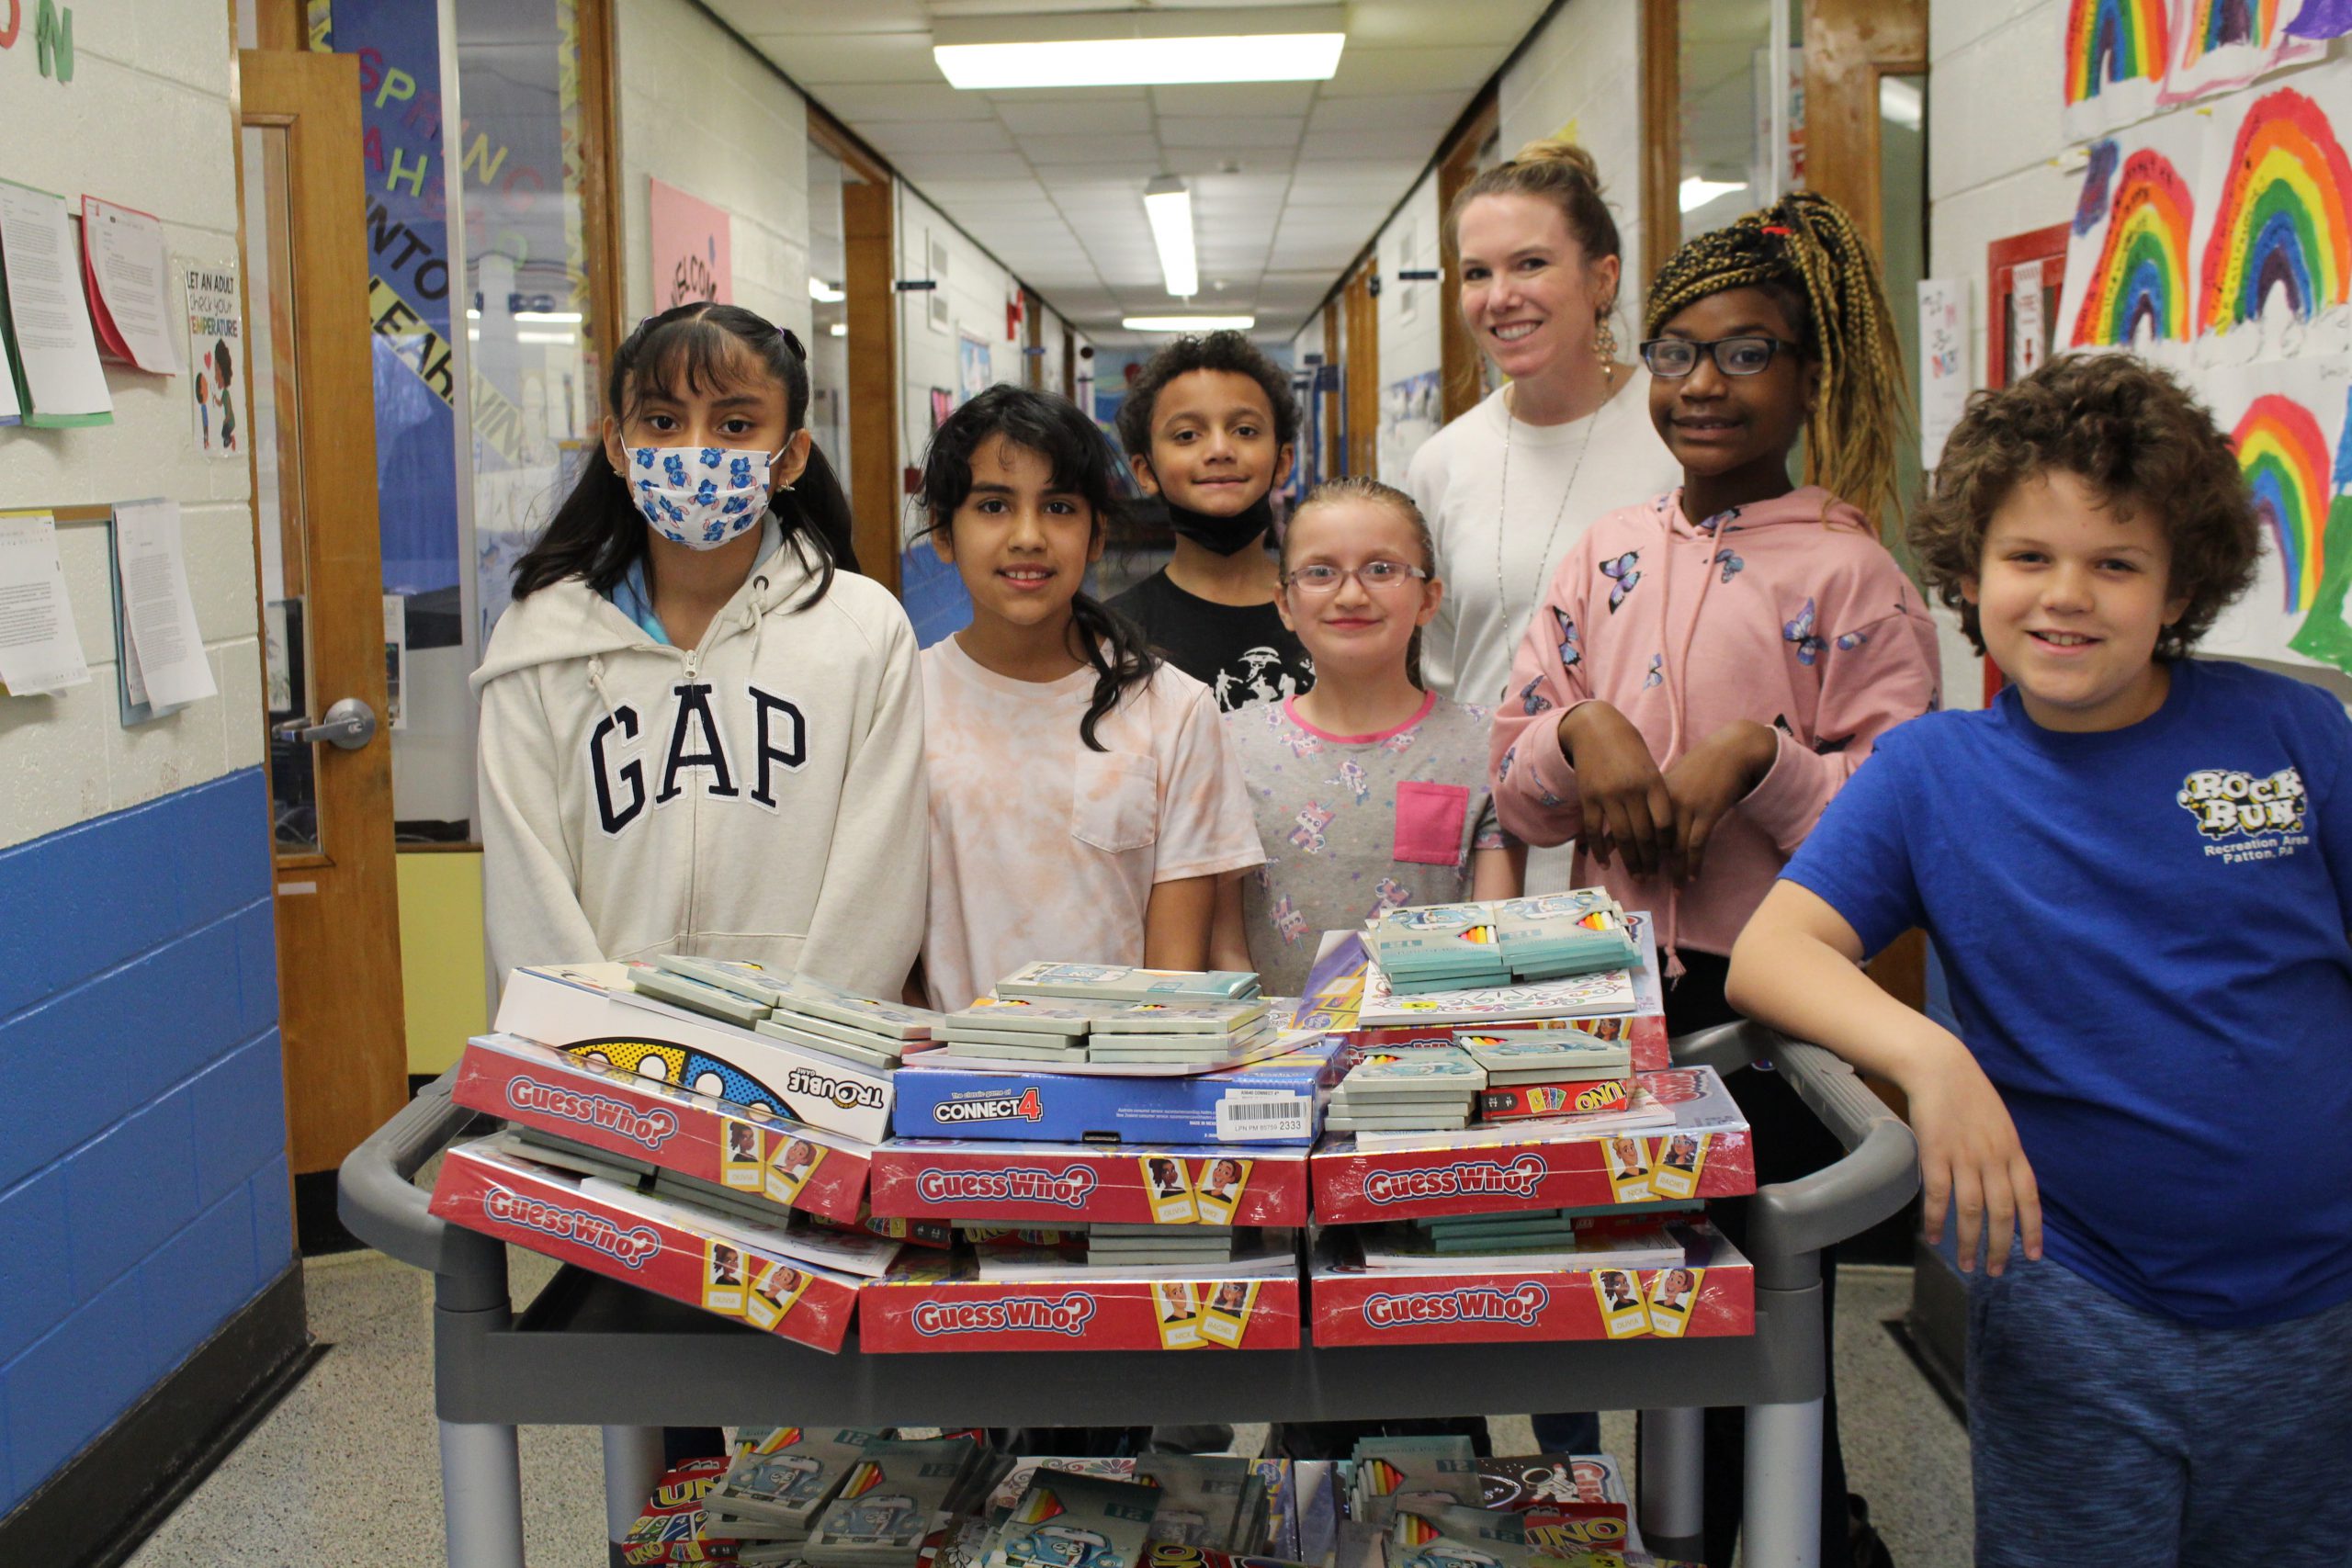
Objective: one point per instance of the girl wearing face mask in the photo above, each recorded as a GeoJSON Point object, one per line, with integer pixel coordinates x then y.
{"type": "Point", "coordinates": [1510, 486]}
{"type": "Point", "coordinates": [1210, 428]}
{"type": "Point", "coordinates": [696, 735]}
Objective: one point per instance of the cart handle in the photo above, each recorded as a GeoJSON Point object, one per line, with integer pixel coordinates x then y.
{"type": "Point", "coordinates": [1879, 1174]}
{"type": "Point", "coordinates": [379, 1201]}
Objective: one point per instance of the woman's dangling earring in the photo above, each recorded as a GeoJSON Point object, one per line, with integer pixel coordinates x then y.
{"type": "Point", "coordinates": [1604, 343]}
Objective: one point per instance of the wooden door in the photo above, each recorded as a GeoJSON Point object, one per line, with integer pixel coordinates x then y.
{"type": "Point", "coordinates": [1360, 364]}
{"type": "Point", "coordinates": [321, 590]}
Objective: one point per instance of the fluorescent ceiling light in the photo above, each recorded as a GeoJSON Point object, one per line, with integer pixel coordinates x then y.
{"type": "Point", "coordinates": [1188, 324]}
{"type": "Point", "coordinates": [1901, 101]}
{"type": "Point", "coordinates": [838, 329]}
{"type": "Point", "coordinates": [544, 337]}
{"type": "Point", "coordinates": [1697, 192]}
{"type": "Point", "coordinates": [564, 318]}
{"type": "Point", "coordinates": [1169, 207]}
{"type": "Point", "coordinates": [1140, 47]}
{"type": "Point", "coordinates": [823, 292]}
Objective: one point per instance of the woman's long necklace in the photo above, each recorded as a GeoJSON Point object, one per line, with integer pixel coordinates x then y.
{"type": "Point", "coordinates": [1511, 628]}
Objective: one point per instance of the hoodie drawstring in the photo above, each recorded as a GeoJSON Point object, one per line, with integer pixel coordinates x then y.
{"type": "Point", "coordinates": [756, 615]}
{"type": "Point", "coordinates": [597, 685]}
{"type": "Point", "coordinates": [1677, 697]}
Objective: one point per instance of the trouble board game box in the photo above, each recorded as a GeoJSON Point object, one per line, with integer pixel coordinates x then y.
{"type": "Point", "coordinates": [1278, 1100]}
{"type": "Point", "coordinates": [931, 1303]}
{"type": "Point", "coordinates": [616, 1109]}
{"type": "Point", "coordinates": [671, 1249]}
{"type": "Point", "coordinates": [588, 1011]}
{"type": "Point", "coordinates": [1705, 1154]}
{"type": "Point", "coordinates": [1712, 1294]}
{"type": "Point", "coordinates": [1335, 996]}
{"type": "Point", "coordinates": [1040, 1183]}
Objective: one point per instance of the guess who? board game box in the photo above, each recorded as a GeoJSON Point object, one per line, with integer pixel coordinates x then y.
{"type": "Point", "coordinates": [589, 1011]}
{"type": "Point", "coordinates": [1335, 990]}
{"type": "Point", "coordinates": [1278, 1100]}
{"type": "Point", "coordinates": [1705, 1154]}
{"type": "Point", "coordinates": [1712, 1294]}
{"type": "Point", "coordinates": [1040, 1183]}
{"type": "Point", "coordinates": [931, 1303]}
{"type": "Point", "coordinates": [616, 1109]}
{"type": "Point", "coordinates": [671, 1249]}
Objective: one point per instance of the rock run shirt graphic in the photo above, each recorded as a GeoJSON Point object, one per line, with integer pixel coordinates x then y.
{"type": "Point", "coordinates": [2244, 817]}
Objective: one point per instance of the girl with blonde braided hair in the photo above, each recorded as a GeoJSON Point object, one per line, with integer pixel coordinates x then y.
{"type": "Point", "coordinates": [1711, 665]}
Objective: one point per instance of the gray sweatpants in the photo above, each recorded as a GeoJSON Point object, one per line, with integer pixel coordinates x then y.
{"type": "Point", "coordinates": [2102, 1433]}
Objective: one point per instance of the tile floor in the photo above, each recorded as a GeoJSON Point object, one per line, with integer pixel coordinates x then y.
{"type": "Point", "coordinates": [345, 1470]}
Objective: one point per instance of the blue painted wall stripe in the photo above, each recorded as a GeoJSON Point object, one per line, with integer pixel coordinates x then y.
{"type": "Point", "coordinates": [143, 1194]}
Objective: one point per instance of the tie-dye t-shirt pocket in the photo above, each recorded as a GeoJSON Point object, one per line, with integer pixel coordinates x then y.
{"type": "Point", "coordinates": [1114, 800]}
{"type": "Point", "coordinates": [1429, 822]}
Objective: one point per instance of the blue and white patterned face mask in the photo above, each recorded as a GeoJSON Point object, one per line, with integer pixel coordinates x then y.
{"type": "Point", "coordinates": [699, 496]}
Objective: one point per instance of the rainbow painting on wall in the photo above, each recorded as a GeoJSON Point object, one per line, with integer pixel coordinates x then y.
{"type": "Point", "coordinates": [2221, 44]}
{"type": "Point", "coordinates": [2141, 276]}
{"type": "Point", "coordinates": [2284, 454]}
{"type": "Point", "coordinates": [2110, 41]}
{"type": "Point", "coordinates": [2280, 220]}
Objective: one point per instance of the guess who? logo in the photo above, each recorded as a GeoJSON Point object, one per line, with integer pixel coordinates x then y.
{"type": "Point", "coordinates": [1521, 1305]}
{"type": "Point", "coordinates": [631, 1247]}
{"type": "Point", "coordinates": [1066, 1315]}
{"type": "Point", "coordinates": [1479, 1178]}
{"type": "Point", "coordinates": [1069, 1187]}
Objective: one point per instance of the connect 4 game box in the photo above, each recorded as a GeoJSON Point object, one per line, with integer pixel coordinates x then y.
{"type": "Point", "coordinates": [1518, 1165]}
{"type": "Point", "coordinates": [955, 1179]}
{"type": "Point", "coordinates": [1712, 1294]}
{"type": "Point", "coordinates": [1278, 1100]}
{"type": "Point", "coordinates": [932, 1304]}
{"type": "Point", "coordinates": [672, 1249]}
{"type": "Point", "coordinates": [623, 1112]}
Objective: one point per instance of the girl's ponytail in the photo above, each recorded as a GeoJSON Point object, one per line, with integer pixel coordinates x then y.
{"type": "Point", "coordinates": [1116, 646]}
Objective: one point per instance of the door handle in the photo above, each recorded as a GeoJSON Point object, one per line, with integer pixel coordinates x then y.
{"type": "Point", "coordinates": [349, 725]}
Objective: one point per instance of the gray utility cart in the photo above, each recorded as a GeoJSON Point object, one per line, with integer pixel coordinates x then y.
{"type": "Point", "coordinates": [589, 1352]}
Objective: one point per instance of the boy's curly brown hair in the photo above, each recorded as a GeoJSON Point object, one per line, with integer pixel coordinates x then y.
{"type": "Point", "coordinates": [2131, 433]}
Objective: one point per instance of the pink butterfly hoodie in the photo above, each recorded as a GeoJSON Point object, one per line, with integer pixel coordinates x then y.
{"type": "Point", "coordinates": [1787, 612]}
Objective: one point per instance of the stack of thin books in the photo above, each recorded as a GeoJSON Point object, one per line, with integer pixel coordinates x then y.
{"type": "Point", "coordinates": [897, 1494]}
{"type": "Point", "coordinates": [1135, 1246]}
{"type": "Point", "coordinates": [864, 1031]}
{"type": "Point", "coordinates": [1438, 947]}
{"type": "Point", "coordinates": [1074, 1521]}
{"type": "Point", "coordinates": [1420, 1089]}
{"type": "Point", "coordinates": [1558, 1070]}
{"type": "Point", "coordinates": [1543, 1238]}
{"type": "Point", "coordinates": [780, 1478]}
{"type": "Point", "coordinates": [1208, 1033]}
{"type": "Point", "coordinates": [1119, 983]}
{"type": "Point", "coordinates": [1555, 935]}
{"type": "Point", "coordinates": [1019, 1028]}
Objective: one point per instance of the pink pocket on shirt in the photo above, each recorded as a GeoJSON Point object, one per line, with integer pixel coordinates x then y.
{"type": "Point", "coordinates": [1429, 822]}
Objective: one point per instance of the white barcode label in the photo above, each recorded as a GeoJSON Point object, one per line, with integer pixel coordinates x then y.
{"type": "Point", "coordinates": [1247, 1115]}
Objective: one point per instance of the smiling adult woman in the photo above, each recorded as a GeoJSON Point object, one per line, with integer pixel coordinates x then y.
{"type": "Point", "coordinates": [1510, 485]}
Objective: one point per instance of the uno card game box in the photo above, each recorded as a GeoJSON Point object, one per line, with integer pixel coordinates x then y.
{"type": "Point", "coordinates": [928, 1302]}
{"type": "Point", "coordinates": [589, 1011]}
{"type": "Point", "coordinates": [1278, 1100]}
{"type": "Point", "coordinates": [671, 1249]}
{"type": "Point", "coordinates": [1712, 1294]}
{"type": "Point", "coordinates": [1705, 1154]}
{"type": "Point", "coordinates": [1040, 1183]}
{"type": "Point", "coordinates": [617, 1110]}
{"type": "Point", "coordinates": [1335, 993]}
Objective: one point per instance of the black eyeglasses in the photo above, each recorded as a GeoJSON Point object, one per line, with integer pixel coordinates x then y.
{"type": "Point", "coordinates": [1674, 357]}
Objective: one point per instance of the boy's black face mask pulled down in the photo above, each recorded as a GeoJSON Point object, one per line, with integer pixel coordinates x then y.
{"type": "Point", "coordinates": [1222, 535]}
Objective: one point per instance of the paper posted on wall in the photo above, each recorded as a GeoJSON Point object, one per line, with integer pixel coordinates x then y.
{"type": "Point", "coordinates": [41, 651]}
{"type": "Point", "coordinates": [126, 274]}
{"type": "Point", "coordinates": [163, 649]}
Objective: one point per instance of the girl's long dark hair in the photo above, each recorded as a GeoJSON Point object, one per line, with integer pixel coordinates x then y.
{"type": "Point", "coordinates": [597, 533]}
{"type": "Point", "coordinates": [1083, 465]}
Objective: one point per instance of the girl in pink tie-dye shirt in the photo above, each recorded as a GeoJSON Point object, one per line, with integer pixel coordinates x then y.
{"type": "Point", "coordinates": [1084, 804]}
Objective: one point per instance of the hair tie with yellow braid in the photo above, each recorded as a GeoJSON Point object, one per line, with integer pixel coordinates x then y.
{"type": "Point", "coordinates": [1805, 247]}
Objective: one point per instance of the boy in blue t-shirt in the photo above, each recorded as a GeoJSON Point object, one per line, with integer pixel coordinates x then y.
{"type": "Point", "coordinates": [2136, 869]}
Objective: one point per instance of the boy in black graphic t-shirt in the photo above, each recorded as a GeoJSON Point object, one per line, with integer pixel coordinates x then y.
{"type": "Point", "coordinates": [1210, 429]}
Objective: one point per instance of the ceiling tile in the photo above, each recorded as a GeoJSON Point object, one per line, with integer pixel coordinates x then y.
{"type": "Point", "coordinates": [1230, 130]}
{"type": "Point", "coordinates": [753, 17]}
{"type": "Point", "coordinates": [869, 105]}
{"type": "Point", "coordinates": [1097, 150]}
{"type": "Point", "coordinates": [1437, 111]}
{"type": "Point", "coordinates": [1408, 70]}
{"type": "Point", "coordinates": [1237, 99]}
{"type": "Point", "coordinates": [910, 137]}
{"type": "Point", "coordinates": [925, 167]}
{"type": "Point", "coordinates": [1077, 116]}
{"type": "Point", "coordinates": [1411, 144]}
{"type": "Point", "coordinates": [818, 59]}
{"type": "Point", "coordinates": [1494, 24]}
